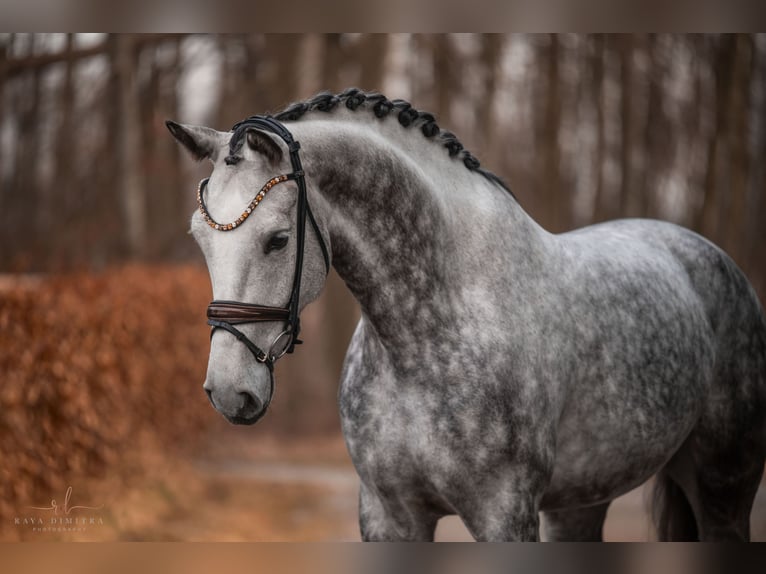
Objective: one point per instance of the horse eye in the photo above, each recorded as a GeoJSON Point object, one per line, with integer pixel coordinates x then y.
{"type": "Point", "coordinates": [276, 241]}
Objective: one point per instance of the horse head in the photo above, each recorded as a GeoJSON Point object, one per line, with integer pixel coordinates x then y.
{"type": "Point", "coordinates": [265, 252]}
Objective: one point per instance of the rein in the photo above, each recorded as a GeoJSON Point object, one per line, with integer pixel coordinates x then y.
{"type": "Point", "coordinates": [225, 314]}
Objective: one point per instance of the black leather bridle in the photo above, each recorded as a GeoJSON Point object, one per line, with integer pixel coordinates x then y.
{"type": "Point", "coordinates": [225, 314]}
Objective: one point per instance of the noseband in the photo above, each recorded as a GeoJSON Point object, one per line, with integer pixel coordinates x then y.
{"type": "Point", "coordinates": [225, 314]}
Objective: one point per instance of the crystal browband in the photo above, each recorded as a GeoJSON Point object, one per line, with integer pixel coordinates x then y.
{"type": "Point", "coordinates": [245, 214]}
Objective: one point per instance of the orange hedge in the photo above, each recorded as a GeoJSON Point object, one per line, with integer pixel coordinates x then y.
{"type": "Point", "coordinates": [93, 365]}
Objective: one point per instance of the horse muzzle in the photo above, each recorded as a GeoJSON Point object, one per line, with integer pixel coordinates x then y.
{"type": "Point", "coordinates": [239, 404]}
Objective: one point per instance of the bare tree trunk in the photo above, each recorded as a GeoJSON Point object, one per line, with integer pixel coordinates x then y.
{"type": "Point", "coordinates": [5, 183]}
{"type": "Point", "coordinates": [333, 58]}
{"type": "Point", "coordinates": [282, 50]}
{"type": "Point", "coordinates": [109, 201]}
{"type": "Point", "coordinates": [372, 62]}
{"type": "Point", "coordinates": [654, 135]}
{"type": "Point", "coordinates": [148, 90]}
{"type": "Point", "coordinates": [62, 189]}
{"type": "Point", "coordinates": [700, 111]}
{"type": "Point", "coordinates": [251, 71]}
{"type": "Point", "coordinates": [311, 60]}
{"type": "Point", "coordinates": [706, 221]}
{"type": "Point", "coordinates": [24, 203]}
{"type": "Point", "coordinates": [597, 64]}
{"type": "Point", "coordinates": [756, 230]}
{"type": "Point", "coordinates": [3, 63]}
{"type": "Point", "coordinates": [738, 136]}
{"type": "Point", "coordinates": [446, 70]}
{"type": "Point", "coordinates": [167, 214]}
{"type": "Point", "coordinates": [420, 56]}
{"type": "Point", "coordinates": [223, 110]}
{"type": "Point", "coordinates": [555, 209]}
{"type": "Point", "coordinates": [129, 136]}
{"type": "Point", "coordinates": [626, 113]}
{"type": "Point", "coordinates": [491, 52]}
{"type": "Point", "coordinates": [63, 137]}
{"type": "Point", "coordinates": [238, 75]}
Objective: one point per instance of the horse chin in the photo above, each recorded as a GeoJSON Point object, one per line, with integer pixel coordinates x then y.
{"type": "Point", "coordinates": [236, 420]}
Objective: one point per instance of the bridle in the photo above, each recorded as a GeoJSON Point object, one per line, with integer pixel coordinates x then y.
{"type": "Point", "coordinates": [225, 314]}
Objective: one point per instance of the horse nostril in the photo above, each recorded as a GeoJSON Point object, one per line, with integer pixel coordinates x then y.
{"type": "Point", "coordinates": [250, 405]}
{"type": "Point", "coordinates": [209, 394]}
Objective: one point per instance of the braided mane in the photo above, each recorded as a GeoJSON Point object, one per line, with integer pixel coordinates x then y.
{"type": "Point", "coordinates": [408, 116]}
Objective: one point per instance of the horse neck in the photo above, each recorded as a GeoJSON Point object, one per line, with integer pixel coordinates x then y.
{"type": "Point", "coordinates": [409, 226]}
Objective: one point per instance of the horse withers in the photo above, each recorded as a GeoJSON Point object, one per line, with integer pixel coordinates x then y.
{"type": "Point", "coordinates": [498, 372]}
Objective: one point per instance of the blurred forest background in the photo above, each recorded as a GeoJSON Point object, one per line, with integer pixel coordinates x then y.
{"type": "Point", "coordinates": [584, 128]}
{"type": "Point", "coordinates": [102, 292]}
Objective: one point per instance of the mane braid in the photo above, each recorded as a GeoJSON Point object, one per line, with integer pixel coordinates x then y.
{"type": "Point", "coordinates": [381, 106]}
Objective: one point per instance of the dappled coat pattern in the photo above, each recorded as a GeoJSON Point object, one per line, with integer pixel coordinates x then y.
{"type": "Point", "coordinates": [499, 371]}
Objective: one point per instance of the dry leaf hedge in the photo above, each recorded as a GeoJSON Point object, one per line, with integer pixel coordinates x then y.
{"type": "Point", "coordinates": [92, 365]}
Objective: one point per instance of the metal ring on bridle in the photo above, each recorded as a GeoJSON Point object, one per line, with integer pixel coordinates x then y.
{"type": "Point", "coordinates": [271, 355]}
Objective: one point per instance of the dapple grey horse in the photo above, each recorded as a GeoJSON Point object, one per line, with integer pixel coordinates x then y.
{"type": "Point", "coordinates": [499, 371]}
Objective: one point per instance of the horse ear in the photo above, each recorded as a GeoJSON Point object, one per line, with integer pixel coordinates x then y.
{"type": "Point", "coordinates": [261, 142]}
{"type": "Point", "coordinates": [201, 142]}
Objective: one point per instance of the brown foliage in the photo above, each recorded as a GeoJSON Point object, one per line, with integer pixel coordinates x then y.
{"type": "Point", "coordinates": [92, 366]}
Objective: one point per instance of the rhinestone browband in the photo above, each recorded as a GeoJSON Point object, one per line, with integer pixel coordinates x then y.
{"type": "Point", "coordinates": [245, 214]}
